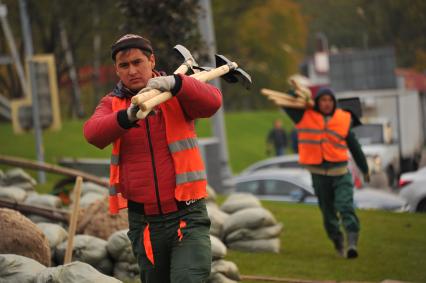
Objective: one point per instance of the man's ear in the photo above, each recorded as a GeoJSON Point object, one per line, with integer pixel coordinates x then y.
{"type": "Point", "coordinates": [152, 61]}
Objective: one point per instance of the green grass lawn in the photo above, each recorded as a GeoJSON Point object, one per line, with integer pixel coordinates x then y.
{"type": "Point", "coordinates": [391, 245]}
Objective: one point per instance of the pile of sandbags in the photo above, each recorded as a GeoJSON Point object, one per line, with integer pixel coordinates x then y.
{"type": "Point", "coordinates": [15, 184]}
{"type": "Point", "coordinates": [120, 249]}
{"type": "Point", "coordinates": [18, 178]}
{"type": "Point", "coordinates": [87, 249]}
{"type": "Point", "coordinates": [90, 193]}
{"type": "Point", "coordinates": [22, 237]}
{"type": "Point", "coordinates": [16, 268]}
{"type": "Point", "coordinates": [249, 227]}
{"type": "Point", "coordinates": [222, 271]}
{"type": "Point", "coordinates": [96, 220]}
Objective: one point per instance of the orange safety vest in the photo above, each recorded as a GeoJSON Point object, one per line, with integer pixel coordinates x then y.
{"type": "Point", "coordinates": [191, 180]}
{"type": "Point", "coordinates": [319, 140]}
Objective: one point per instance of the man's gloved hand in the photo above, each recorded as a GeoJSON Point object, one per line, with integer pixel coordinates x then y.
{"type": "Point", "coordinates": [131, 112]}
{"type": "Point", "coordinates": [165, 83]}
{"type": "Point", "coordinates": [367, 177]}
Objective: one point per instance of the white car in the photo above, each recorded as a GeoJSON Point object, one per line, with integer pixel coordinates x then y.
{"type": "Point", "coordinates": [413, 189]}
{"type": "Point", "coordinates": [295, 185]}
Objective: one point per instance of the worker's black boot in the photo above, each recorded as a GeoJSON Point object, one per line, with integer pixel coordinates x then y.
{"type": "Point", "coordinates": [339, 245]}
{"type": "Point", "coordinates": [352, 245]}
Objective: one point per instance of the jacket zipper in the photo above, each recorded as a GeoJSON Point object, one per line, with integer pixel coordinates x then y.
{"type": "Point", "coordinates": [157, 194]}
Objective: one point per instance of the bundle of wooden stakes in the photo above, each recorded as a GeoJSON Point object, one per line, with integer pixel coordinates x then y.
{"type": "Point", "coordinates": [302, 100]}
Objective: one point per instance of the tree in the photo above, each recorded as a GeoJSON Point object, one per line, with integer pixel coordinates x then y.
{"type": "Point", "coordinates": [165, 23]}
{"type": "Point", "coordinates": [267, 38]}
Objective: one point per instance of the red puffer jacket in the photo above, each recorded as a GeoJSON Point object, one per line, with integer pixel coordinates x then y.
{"type": "Point", "coordinates": [147, 172]}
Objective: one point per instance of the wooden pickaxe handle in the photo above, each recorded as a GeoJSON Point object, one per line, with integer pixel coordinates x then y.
{"type": "Point", "coordinates": [141, 97]}
{"type": "Point", "coordinates": [201, 76]}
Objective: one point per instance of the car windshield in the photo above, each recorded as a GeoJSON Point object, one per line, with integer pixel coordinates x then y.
{"type": "Point", "coordinates": [369, 134]}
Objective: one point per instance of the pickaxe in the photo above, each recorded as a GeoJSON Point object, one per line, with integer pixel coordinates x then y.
{"type": "Point", "coordinates": [188, 63]}
{"type": "Point", "coordinates": [228, 70]}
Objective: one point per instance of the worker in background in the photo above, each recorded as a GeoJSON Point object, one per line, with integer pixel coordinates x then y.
{"type": "Point", "coordinates": [324, 138]}
{"type": "Point", "coordinates": [277, 139]}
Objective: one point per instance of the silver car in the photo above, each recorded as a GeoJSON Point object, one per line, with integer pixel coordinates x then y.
{"type": "Point", "coordinates": [295, 185]}
{"type": "Point", "coordinates": [413, 189]}
{"type": "Point", "coordinates": [292, 161]}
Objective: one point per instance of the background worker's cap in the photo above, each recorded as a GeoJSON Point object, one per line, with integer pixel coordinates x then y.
{"type": "Point", "coordinates": [324, 91]}
{"type": "Point", "coordinates": [130, 41]}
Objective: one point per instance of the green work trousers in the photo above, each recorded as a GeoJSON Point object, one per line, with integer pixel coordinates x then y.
{"type": "Point", "coordinates": [335, 197]}
{"type": "Point", "coordinates": [181, 253]}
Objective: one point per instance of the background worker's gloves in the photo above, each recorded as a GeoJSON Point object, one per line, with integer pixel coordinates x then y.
{"type": "Point", "coordinates": [131, 112]}
{"type": "Point", "coordinates": [367, 177]}
{"type": "Point", "coordinates": [165, 83]}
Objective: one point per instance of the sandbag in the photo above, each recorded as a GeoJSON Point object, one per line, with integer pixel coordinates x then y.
{"type": "Point", "coordinates": [220, 278]}
{"type": "Point", "coordinates": [87, 249]}
{"type": "Point", "coordinates": [262, 245]}
{"type": "Point", "coordinates": [43, 200]}
{"type": "Point", "coordinates": [96, 220]}
{"type": "Point", "coordinates": [89, 187]}
{"type": "Point", "coordinates": [218, 248]}
{"type": "Point", "coordinates": [250, 218]}
{"type": "Point", "coordinates": [227, 268]}
{"type": "Point", "coordinates": [22, 237]}
{"type": "Point", "coordinates": [126, 271]}
{"type": "Point", "coordinates": [217, 218]}
{"type": "Point", "coordinates": [254, 234]}
{"type": "Point", "coordinates": [27, 186]}
{"type": "Point", "coordinates": [13, 193]}
{"type": "Point", "coordinates": [73, 272]}
{"type": "Point", "coordinates": [18, 269]}
{"type": "Point", "coordinates": [120, 247]}
{"type": "Point", "coordinates": [238, 201]}
{"type": "Point", "coordinates": [89, 198]}
{"type": "Point", "coordinates": [55, 233]}
{"type": "Point", "coordinates": [17, 175]}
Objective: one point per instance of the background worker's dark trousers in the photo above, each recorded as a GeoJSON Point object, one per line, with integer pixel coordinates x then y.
{"type": "Point", "coordinates": [335, 197]}
{"type": "Point", "coordinates": [179, 257]}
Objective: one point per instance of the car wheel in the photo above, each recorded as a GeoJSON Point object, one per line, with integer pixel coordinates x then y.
{"type": "Point", "coordinates": [390, 173]}
{"type": "Point", "coordinates": [421, 207]}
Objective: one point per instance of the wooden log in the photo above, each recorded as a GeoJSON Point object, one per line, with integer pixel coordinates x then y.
{"type": "Point", "coordinates": [50, 213]}
{"type": "Point", "coordinates": [35, 165]}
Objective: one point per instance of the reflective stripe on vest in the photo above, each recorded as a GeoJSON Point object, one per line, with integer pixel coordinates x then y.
{"type": "Point", "coordinates": [116, 200]}
{"type": "Point", "coordinates": [319, 140]}
{"type": "Point", "coordinates": [191, 181]}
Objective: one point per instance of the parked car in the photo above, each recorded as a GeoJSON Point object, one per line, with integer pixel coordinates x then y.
{"type": "Point", "coordinates": [413, 189]}
{"type": "Point", "coordinates": [295, 185]}
{"type": "Point", "coordinates": [292, 161]}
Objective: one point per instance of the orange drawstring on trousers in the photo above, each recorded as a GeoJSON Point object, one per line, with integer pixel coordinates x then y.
{"type": "Point", "coordinates": [182, 224]}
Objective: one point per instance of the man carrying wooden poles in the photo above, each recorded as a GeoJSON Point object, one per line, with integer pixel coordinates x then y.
{"type": "Point", "coordinates": [324, 137]}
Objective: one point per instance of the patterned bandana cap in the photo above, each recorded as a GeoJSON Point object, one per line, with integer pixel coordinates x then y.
{"type": "Point", "coordinates": [130, 41]}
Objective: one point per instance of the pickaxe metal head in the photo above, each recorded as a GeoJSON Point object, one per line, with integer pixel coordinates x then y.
{"type": "Point", "coordinates": [189, 60]}
{"type": "Point", "coordinates": [234, 75]}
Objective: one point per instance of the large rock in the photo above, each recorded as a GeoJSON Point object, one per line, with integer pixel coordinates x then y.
{"type": "Point", "coordinates": [22, 237]}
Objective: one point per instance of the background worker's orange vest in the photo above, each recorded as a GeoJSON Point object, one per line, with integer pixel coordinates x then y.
{"type": "Point", "coordinates": [319, 140]}
{"type": "Point", "coordinates": [183, 145]}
